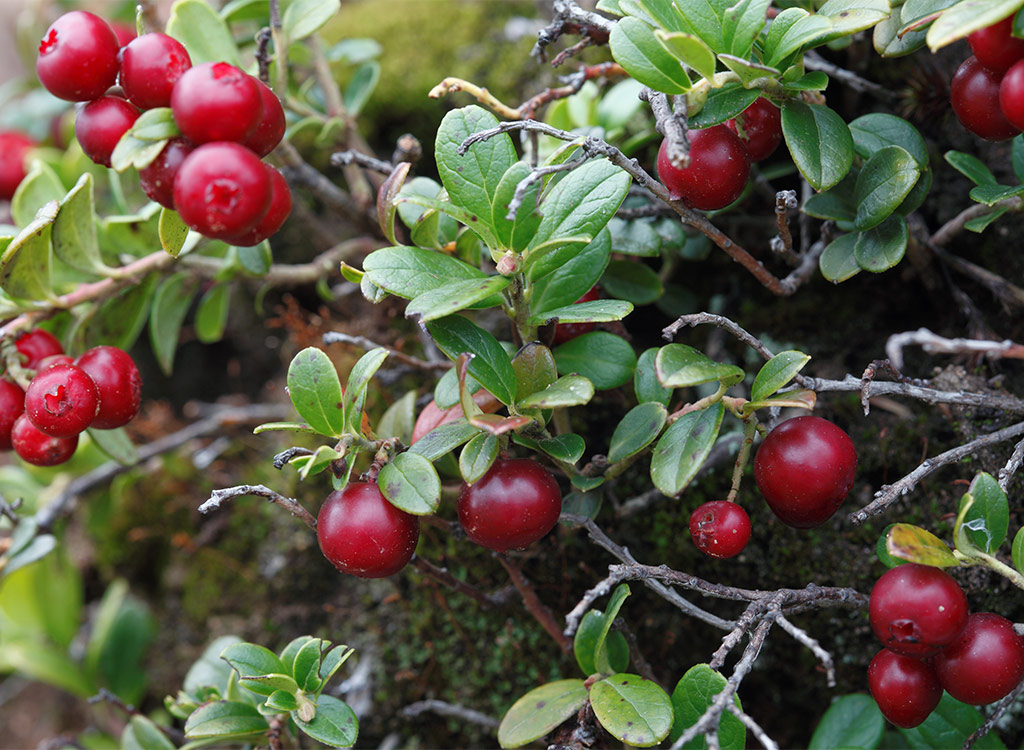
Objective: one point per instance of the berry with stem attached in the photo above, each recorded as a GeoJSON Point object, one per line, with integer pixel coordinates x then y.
{"type": "Point", "coordinates": [917, 610]}
{"type": "Point", "coordinates": [720, 528]}
{"type": "Point", "coordinates": [759, 126]}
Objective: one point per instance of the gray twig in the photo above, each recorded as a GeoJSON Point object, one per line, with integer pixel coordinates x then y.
{"type": "Point", "coordinates": [351, 156]}
{"type": "Point", "coordinates": [766, 742]}
{"type": "Point", "coordinates": [994, 717]}
{"type": "Point", "coordinates": [934, 344]}
{"type": "Point", "coordinates": [229, 493]}
{"type": "Point", "coordinates": [1012, 466]}
{"type": "Point", "coordinates": [671, 123]}
{"type": "Point", "coordinates": [803, 638]}
{"type": "Point", "coordinates": [451, 710]}
{"type": "Point", "coordinates": [814, 61]}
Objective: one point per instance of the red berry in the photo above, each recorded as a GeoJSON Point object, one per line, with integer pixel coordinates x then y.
{"type": "Point", "coordinates": [280, 207]}
{"type": "Point", "coordinates": [100, 125]}
{"type": "Point", "coordinates": [512, 506]}
{"type": "Point", "coordinates": [985, 663]}
{"type": "Point", "coordinates": [1011, 95]}
{"type": "Point", "coordinates": [12, 406]}
{"type": "Point", "coordinates": [805, 468]}
{"type": "Point", "coordinates": [150, 66]}
{"type": "Point", "coordinates": [761, 125]}
{"type": "Point", "coordinates": [37, 447]}
{"type": "Point", "coordinates": [216, 102]}
{"type": "Point", "coordinates": [718, 171]}
{"type": "Point", "coordinates": [222, 190]}
{"type": "Point", "coordinates": [271, 128]}
{"type": "Point", "coordinates": [55, 359]}
{"type": "Point", "coordinates": [916, 610]}
{"type": "Point", "coordinates": [995, 46]}
{"type": "Point", "coordinates": [568, 331]}
{"type": "Point", "coordinates": [720, 528]}
{"type": "Point", "coordinates": [14, 147]}
{"type": "Point", "coordinates": [62, 400]}
{"type": "Point", "coordinates": [157, 179]}
{"type": "Point", "coordinates": [118, 382]}
{"type": "Point", "coordinates": [905, 689]}
{"type": "Point", "coordinates": [974, 96]}
{"type": "Point", "coordinates": [362, 533]}
{"type": "Point", "coordinates": [78, 57]}
{"type": "Point", "coordinates": [37, 345]}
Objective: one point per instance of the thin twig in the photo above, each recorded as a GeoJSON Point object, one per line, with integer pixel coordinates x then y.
{"type": "Point", "coordinates": [671, 123]}
{"type": "Point", "coordinates": [441, 575]}
{"type": "Point", "coordinates": [230, 493]}
{"type": "Point", "coordinates": [351, 156]}
{"type": "Point", "coordinates": [106, 696]}
{"type": "Point", "coordinates": [993, 718]}
{"type": "Point", "coordinates": [450, 710]}
{"type": "Point", "coordinates": [762, 736]}
{"type": "Point", "coordinates": [534, 605]}
{"type": "Point", "coordinates": [570, 18]}
{"type": "Point", "coordinates": [337, 337]}
{"type": "Point", "coordinates": [934, 344]}
{"type": "Point", "coordinates": [814, 61]}
{"type": "Point", "coordinates": [785, 201]}
{"type": "Point", "coordinates": [804, 639]}
{"type": "Point", "coordinates": [1013, 465]}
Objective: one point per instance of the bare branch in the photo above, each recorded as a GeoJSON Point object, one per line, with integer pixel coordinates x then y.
{"type": "Point", "coordinates": [450, 710]}
{"type": "Point", "coordinates": [229, 493]}
{"type": "Point", "coordinates": [814, 61]}
{"type": "Point", "coordinates": [534, 605]}
{"type": "Point", "coordinates": [570, 18]}
{"type": "Point", "coordinates": [934, 344]}
{"type": "Point", "coordinates": [803, 638]}
{"type": "Point", "coordinates": [785, 201]}
{"type": "Point", "coordinates": [441, 575]}
{"type": "Point", "coordinates": [351, 156]}
{"type": "Point", "coordinates": [671, 123]}
{"type": "Point", "coordinates": [1012, 466]}
{"type": "Point", "coordinates": [993, 718]}
{"type": "Point", "coordinates": [766, 742]}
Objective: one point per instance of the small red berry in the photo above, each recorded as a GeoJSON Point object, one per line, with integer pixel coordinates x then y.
{"type": "Point", "coordinates": [150, 66]}
{"type": "Point", "coordinates": [568, 331]}
{"type": "Point", "coordinates": [363, 534]}
{"type": "Point", "coordinates": [720, 528]}
{"type": "Point", "coordinates": [271, 128]}
{"type": "Point", "coordinates": [37, 447]}
{"type": "Point", "coordinates": [1011, 95]}
{"type": "Point", "coordinates": [974, 97]}
{"type": "Point", "coordinates": [718, 171]}
{"type": "Point", "coordinates": [995, 46]}
{"type": "Point", "coordinates": [100, 124]}
{"type": "Point", "coordinates": [78, 57]}
{"type": "Point", "coordinates": [157, 179]}
{"type": "Point", "coordinates": [906, 689]}
{"type": "Point", "coordinates": [12, 406]}
{"type": "Point", "coordinates": [916, 610]}
{"type": "Point", "coordinates": [37, 345]}
{"type": "Point", "coordinates": [119, 384]}
{"type": "Point", "coordinates": [984, 663]}
{"type": "Point", "coordinates": [759, 127]}
{"type": "Point", "coordinates": [280, 207]}
{"type": "Point", "coordinates": [61, 400]}
{"type": "Point", "coordinates": [216, 102]}
{"type": "Point", "coordinates": [14, 147]}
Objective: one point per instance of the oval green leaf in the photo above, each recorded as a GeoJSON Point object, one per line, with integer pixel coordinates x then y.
{"type": "Point", "coordinates": [355, 386]}
{"type": "Point", "coordinates": [539, 711]}
{"type": "Point", "coordinates": [224, 719]}
{"type": "Point", "coordinates": [517, 233]}
{"type": "Point", "coordinates": [683, 448]}
{"type": "Point", "coordinates": [819, 141]}
{"type": "Point", "coordinates": [566, 274]}
{"type": "Point", "coordinates": [171, 301]}
{"type": "Point", "coordinates": [408, 272]}
{"type": "Point", "coordinates": [606, 360]}
{"type": "Point", "coordinates": [1018, 550]}
{"type": "Point", "coordinates": [204, 33]}
{"type": "Point", "coordinates": [173, 231]}
{"type": "Point", "coordinates": [443, 439]}
{"type": "Point", "coordinates": [334, 724]}
{"type": "Point", "coordinates": [776, 372]}
{"type": "Point", "coordinates": [645, 380]}
{"type": "Point", "coordinates": [315, 391]}
{"type": "Point", "coordinates": [535, 369]}
{"type": "Point", "coordinates": [690, 699]}
{"type": "Point", "coordinates": [881, 248]}
{"type": "Point", "coordinates": [875, 131]}
{"type": "Point", "coordinates": [852, 721]}
{"type": "Point", "coordinates": [632, 709]}
{"type": "Point", "coordinates": [478, 456]}
{"type": "Point", "coordinates": [884, 181]}
{"type": "Point", "coordinates": [303, 18]}
{"type": "Point", "coordinates": [987, 520]}
{"type": "Point", "coordinates": [116, 444]}
{"type": "Point", "coordinates": [585, 644]}
{"type": "Point", "coordinates": [212, 313]}
{"type": "Point", "coordinates": [568, 390]}
{"type": "Point", "coordinates": [839, 260]}
{"type": "Point", "coordinates": [638, 429]}
{"type": "Point", "coordinates": [567, 448]}
{"type": "Point", "coordinates": [633, 281]}
{"type": "Point", "coordinates": [679, 366]}
{"type": "Point", "coordinates": [410, 483]}
{"type": "Point", "coordinates": [636, 49]}
{"type": "Point", "coordinates": [722, 104]}
{"type": "Point", "coordinates": [490, 365]}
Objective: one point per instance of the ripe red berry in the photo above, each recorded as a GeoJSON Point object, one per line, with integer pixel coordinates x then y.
{"type": "Point", "coordinates": [363, 534]}
{"type": "Point", "coordinates": [568, 331]}
{"type": "Point", "coordinates": [718, 171]}
{"type": "Point", "coordinates": [916, 610]}
{"type": "Point", "coordinates": [222, 190]}
{"type": "Point", "coordinates": [78, 57]}
{"type": "Point", "coordinates": [100, 124]}
{"type": "Point", "coordinates": [512, 506]}
{"type": "Point", "coordinates": [759, 126]}
{"type": "Point", "coordinates": [118, 382]}
{"type": "Point", "coordinates": [150, 66]}
{"type": "Point", "coordinates": [906, 689]}
{"type": "Point", "coordinates": [995, 46]}
{"type": "Point", "coordinates": [37, 447]}
{"type": "Point", "coordinates": [55, 359]}
{"type": "Point", "coordinates": [216, 102]}
{"type": "Point", "coordinates": [271, 127]}
{"type": "Point", "coordinates": [37, 345]}
{"type": "Point", "coordinates": [61, 400]}
{"type": "Point", "coordinates": [805, 468]}
{"type": "Point", "coordinates": [720, 528]}
{"type": "Point", "coordinates": [974, 96]}
{"type": "Point", "coordinates": [12, 406]}
{"type": "Point", "coordinates": [14, 147]}
{"type": "Point", "coordinates": [1011, 95]}
{"type": "Point", "coordinates": [280, 207]}
{"type": "Point", "coordinates": [984, 663]}
{"type": "Point", "coordinates": [157, 179]}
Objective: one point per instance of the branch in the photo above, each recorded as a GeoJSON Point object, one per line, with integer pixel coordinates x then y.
{"type": "Point", "coordinates": [671, 123]}
{"type": "Point", "coordinates": [935, 344]}
{"type": "Point", "coordinates": [351, 156]}
{"type": "Point", "coordinates": [229, 493]}
{"type": "Point", "coordinates": [336, 199]}
{"type": "Point", "coordinates": [570, 18]}
{"type": "Point", "coordinates": [993, 718]}
{"type": "Point", "coordinates": [534, 605]}
{"type": "Point", "coordinates": [1012, 466]}
{"type": "Point", "coordinates": [451, 710]}
{"type": "Point", "coordinates": [442, 576]}
{"type": "Point", "coordinates": [336, 337]}
{"type": "Point", "coordinates": [804, 639]}
{"type": "Point", "coordinates": [814, 61]}
{"type": "Point", "coordinates": [785, 200]}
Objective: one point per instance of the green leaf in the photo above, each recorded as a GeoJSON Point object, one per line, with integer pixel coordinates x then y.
{"type": "Point", "coordinates": [632, 709]}
{"type": "Point", "coordinates": [535, 369]}
{"type": "Point", "coordinates": [566, 274]}
{"type": "Point", "coordinates": [443, 439]}
{"type": "Point", "coordinates": [722, 104]}
{"type": "Point", "coordinates": [411, 271]}
{"type": "Point", "coordinates": [949, 725]}
{"type": "Point", "coordinates": [541, 710]}
{"type": "Point", "coordinates": [42, 661]}
{"type": "Point", "coordinates": [884, 181]}
{"type": "Point", "coordinates": [683, 448]}
{"type": "Point", "coordinates": [694, 692]}
{"type": "Point", "coordinates": [399, 419]}
{"type": "Point", "coordinates": [332, 662]}
{"type": "Point", "coordinates": [742, 23]}
{"type": "Point", "coordinates": [645, 380]}
{"type": "Point", "coordinates": [635, 47]}
{"type": "Point", "coordinates": [361, 86]}
{"type": "Point", "coordinates": [839, 260]}
{"type": "Point", "coordinates": [914, 544]}
{"type": "Point", "coordinates": [303, 18]}
{"type": "Point", "coordinates": [35, 548]}
{"type": "Point", "coordinates": [25, 263]}
{"type": "Point", "coordinates": [490, 365]}
{"type": "Point", "coordinates": [335, 724]}
{"type": "Point", "coordinates": [689, 50]}
{"type": "Point", "coordinates": [597, 311]}
{"type": "Point", "coordinates": [315, 391]}
{"type": "Point", "coordinates": [212, 313]}
{"type": "Point", "coordinates": [268, 684]}
{"type": "Point", "coordinates": [602, 654]}
{"type": "Point", "coordinates": [638, 429]}
{"type": "Point", "coordinates": [116, 444]}
{"type": "Point", "coordinates": [632, 281]}
{"type": "Point", "coordinates": [355, 387]}
{"type": "Point", "coordinates": [748, 72]}
{"type": "Point", "coordinates": [155, 125]}
{"type": "Point", "coordinates": [791, 30]}
{"type": "Point", "coordinates": [634, 238]}
{"type": "Point", "coordinates": [679, 366]}
{"type": "Point", "coordinates": [568, 390]}
{"type": "Point", "coordinates": [1018, 550]}
{"type": "Point", "coordinates": [777, 372]}
{"type": "Point", "coordinates": [305, 663]}
{"type": "Point", "coordinates": [291, 651]}
{"type": "Point", "coordinates": [251, 660]}
{"type": "Point", "coordinates": [142, 734]}
{"type": "Point", "coordinates": [965, 17]}
{"type": "Point", "coordinates": [171, 301]}
{"type": "Point", "coordinates": [882, 550]}
{"type": "Point", "coordinates": [173, 232]}
{"type": "Point", "coordinates": [225, 719]}
{"type": "Point", "coordinates": [1017, 157]}
{"type": "Point", "coordinates": [74, 229]}
{"type": "Point", "coordinates": [850, 16]}
{"type": "Point", "coordinates": [454, 296]}
{"type": "Point", "coordinates": [992, 194]}
{"type": "Point", "coordinates": [878, 130]}
{"type": "Point", "coordinates": [567, 448]}
{"type": "Point", "coordinates": [134, 152]}
{"type": "Point", "coordinates": [477, 457]}
{"type": "Point", "coordinates": [606, 360]}
{"type": "Point", "coordinates": [837, 203]}
{"type": "Point", "coordinates": [40, 186]}
{"type": "Point", "coordinates": [515, 234]}
{"type": "Point", "coordinates": [591, 631]}
{"type": "Point", "coordinates": [204, 33]}
{"type": "Point", "coordinates": [209, 670]}
{"type": "Point", "coordinates": [410, 483]}
{"type": "Point", "coordinates": [987, 518]}
{"type": "Point", "coordinates": [881, 248]}
{"type": "Point", "coordinates": [970, 167]}
{"type": "Point", "coordinates": [819, 141]}
{"type": "Point", "coordinates": [283, 701]}
{"type": "Point", "coordinates": [852, 721]}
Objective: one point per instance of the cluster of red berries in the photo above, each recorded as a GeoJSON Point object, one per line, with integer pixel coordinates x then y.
{"type": "Point", "coordinates": [920, 615]}
{"type": "Point", "coordinates": [720, 157]}
{"type": "Point", "coordinates": [987, 92]}
{"type": "Point", "coordinates": [804, 469]}
{"type": "Point", "coordinates": [212, 174]}
{"type": "Point", "coordinates": [101, 389]}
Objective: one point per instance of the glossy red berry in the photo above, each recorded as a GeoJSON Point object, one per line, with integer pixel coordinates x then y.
{"type": "Point", "coordinates": [37, 345]}
{"type": "Point", "coordinates": [150, 66]}
{"type": "Point", "coordinates": [271, 127]}
{"type": "Point", "coordinates": [78, 57]}
{"type": "Point", "coordinates": [280, 207]}
{"type": "Point", "coordinates": [718, 171]}
{"type": "Point", "coordinates": [157, 179]}
{"type": "Point", "coordinates": [12, 406]}
{"type": "Point", "coordinates": [62, 400]}
{"type": "Point", "coordinates": [363, 534]}
{"type": "Point", "coordinates": [759, 126]}
{"type": "Point", "coordinates": [216, 102]}
{"type": "Point", "coordinates": [100, 124]}
{"type": "Point", "coordinates": [119, 384]}
{"type": "Point", "coordinates": [222, 190]}
{"type": "Point", "coordinates": [568, 331]}
{"type": "Point", "coordinates": [804, 469]}
{"type": "Point", "coordinates": [995, 46]}
{"type": "Point", "coordinates": [55, 359]}
{"type": "Point", "coordinates": [906, 689]}
{"type": "Point", "coordinates": [14, 147]}
{"type": "Point", "coordinates": [1011, 95]}
{"type": "Point", "coordinates": [916, 610]}
{"type": "Point", "coordinates": [984, 663]}
{"type": "Point", "coordinates": [512, 506]}
{"type": "Point", "coordinates": [37, 447]}
{"type": "Point", "coordinates": [974, 97]}
{"type": "Point", "coordinates": [720, 528]}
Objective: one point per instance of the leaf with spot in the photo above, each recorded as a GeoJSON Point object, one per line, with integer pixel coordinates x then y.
{"type": "Point", "coordinates": [694, 692]}
{"type": "Point", "coordinates": [852, 721]}
{"type": "Point", "coordinates": [984, 516]}
{"type": "Point", "coordinates": [443, 439]}
{"type": "Point", "coordinates": [596, 311]}
{"type": "Point", "coordinates": [540, 711]}
{"type": "Point", "coordinates": [914, 544]}
{"type": "Point", "coordinates": [315, 391]}
{"type": "Point", "coordinates": [791, 30]}
{"type": "Point", "coordinates": [645, 380]}
{"type": "Point", "coordinates": [568, 390]}
{"type": "Point", "coordinates": [632, 709]}
{"type": "Point", "coordinates": [819, 141]}
{"type": "Point", "coordinates": [173, 232]}
{"type": "Point", "coordinates": [335, 724]}
{"type": "Point", "coordinates": [490, 365]}
{"type": "Point", "coordinates": [683, 447]}
{"type": "Point", "coordinates": [410, 483]}
{"type": "Point", "coordinates": [637, 430]}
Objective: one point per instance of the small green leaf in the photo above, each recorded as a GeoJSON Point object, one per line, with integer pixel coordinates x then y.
{"type": "Point", "coordinates": [914, 544]}
{"type": "Point", "coordinates": [283, 701]}
{"type": "Point", "coordinates": [567, 448]}
{"type": "Point", "coordinates": [25, 263]}
{"type": "Point", "coordinates": [116, 444]}
{"type": "Point", "coordinates": [694, 692]}
{"type": "Point", "coordinates": [535, 369]}
{"type": "Point", "coordinates": [303, 18]}
{"type": "Point", "coordinates": [454, 296]}
{"type": "Point", "coordinates": [515, 234]}
{"type": "Point", "coordinates": [334, 724]}
{"type": "Point", "coordinates": [949, 725]}
{"type": "Point", "coordinates": [212, 313]}
{"type": "Point", "coordinates": [565, 274]}
{"type": "Point", "coordinates": [635, 47]}
{"type": "Point", "coordinates": [632, 281]}
{"type": "Point", "coordinates": [606, 360]}
{"type": "Point", "coordinates": [881, 248]}
{"type": "Point", "coordinates": [142, 734]}
{"type": "Point", "coordinates": [541, 710]}
{"type": "Point", "coordinates": [209, 670]}
{"type": "Point", "coordinates": [597, 311]}
{"type": "Point", "coordinates": [777, 372]}
{"type": "Point", "coordinates": [268, 684]}
{"type": "Point", "coordinates": [399, 419]}
{"type": "Point", "coordinates": [171, 302]}
{"type": "Point", "coordinates": [886, 178]}
{"type": "Point", "coordinates": [410, 483]}
{"type": "Point", "coordinates": [992, 194]}
{"type": "Point", "coordinates": [819, 141]}
{"type": "Point", "coordinates": [602, 654]}
{"type": "Point", "coordinates": [332, 662]}
{"type": "Point", "coordinates": [851, 721]}
{"type": "Point", "coordinates": [878, 130]}
{"type": "Point", "coordinates": [791, 30]}
{"type": "Point", "coordinates": [689, 50]}
{"type": "Point", "coordinates": [224, 719]}
{"type": "Point", "coordinates": [970, 167]}
{"type": "Point", "coordinates": [747, 71]}
{"type": "Point", "coordinates": [490, 365]}
{"type": "Point", "coordinates": [722, 104]}
{"type": "Point", "coordinates": [965, 17]}
{"type": "Point", "coordinates": [882, 550]}
{"type": "Point", "coordinates": [645, 380]}
{"type": "Point", "coordinates": [839, 260]}
{"type": "Point", "coordinates": [204, 33]}
{"type": "Point", "coordinates": [411, 271]}
{"type": "Point", "coordinates": [477, 457]}
{"type": "Point", "coordinates": [591, 630]}
{"type": "Point", "coordinates": [987, 518]}
{"type": "Point", "coordinates": [173, 232]}
{"type": "Point", "coordinates": [638, 429]}
{"type": "Point", "coordinates": [568, 390]}
{"type": "Point", "coordinates": [355, 387]}
{"type": "Point", "coordinates": [632, 709]}
{"type": "Point", "coordinates": [251, 660]}
{"type": "Point", "coordinates": [680, 366]}
{"type": "Point", "coordinates": [443, 439]}
{"type": "Point", "coordinates": [134, 152]}
{"type": "Point", "coordinates": [683, 447]}
{"type": "Point", "coordinates": [40, 186]}
{"type": "Point", "coordinates": [634, 238]}
{"type": "Point", "coordinates": [74, 229]}
{"type": "Point", "coordinates": [315, 391]}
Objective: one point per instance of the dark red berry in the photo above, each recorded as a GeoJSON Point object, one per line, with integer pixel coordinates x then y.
{"type": "Point", "coordinates": [512, 506]}
{"type": "Point", "coordinates": [916, 610]}
{"type": "Point", "coordinates": [280, 207]}
{"type": "Point", "coordinates": [759, 126]}
{"type": "Point", "coordinates": [568, 331]}
{"type": "Point", "coordinates": [78, 57]}
{"type": "Point", "coordinates": [984, 663]}
{"type": "Point", "coordinates": [222, 190]}
{"type": "Point", "coordinates": [995, 46]}
{"type": "Point", "coordinates": [271, 127]}
{"type": "Point", "coordinates": [805, 468]}
{"type": "Point", "coordinates": [61, 400]}
{"type": "Point", "coordinates": [119, 384]}
{"type": "Point", "coordinates": [974, 96]}
{"type": "Point", "coordinates": [363, 534]}
{"type": "Point", "coordinates": [14, 147]}
{"type": "Point", "coordinates": [150, 66]}
{"type": "Point", "coordinates": [216, 102]}
{"type": "Point", "coordinates": [100, 125]}
{"type": "Point", "coordinates": [37, 345]}
{"type": "Point", "coordinates": [906, 689]}
{"type": "Point", "coordinates": [718, 171]}
{"type": "Point", "coordinates": [12, 406]}
{"type": "Point", "coordinates": [720, 528]}
{"type": "Point", "coordinates": [157, 179]}
{"type": "Point", "coordinates": [37, 447]}
{"type": "Point", "coordinates": [1011, 95]}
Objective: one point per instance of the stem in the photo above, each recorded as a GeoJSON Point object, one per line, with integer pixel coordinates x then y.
{"type": "Point", "coordinates": [982, 558]}
{"type": "Point", "coordinates": [280, 48]}
{"type": "Point", "coordinates": [749, 428]}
